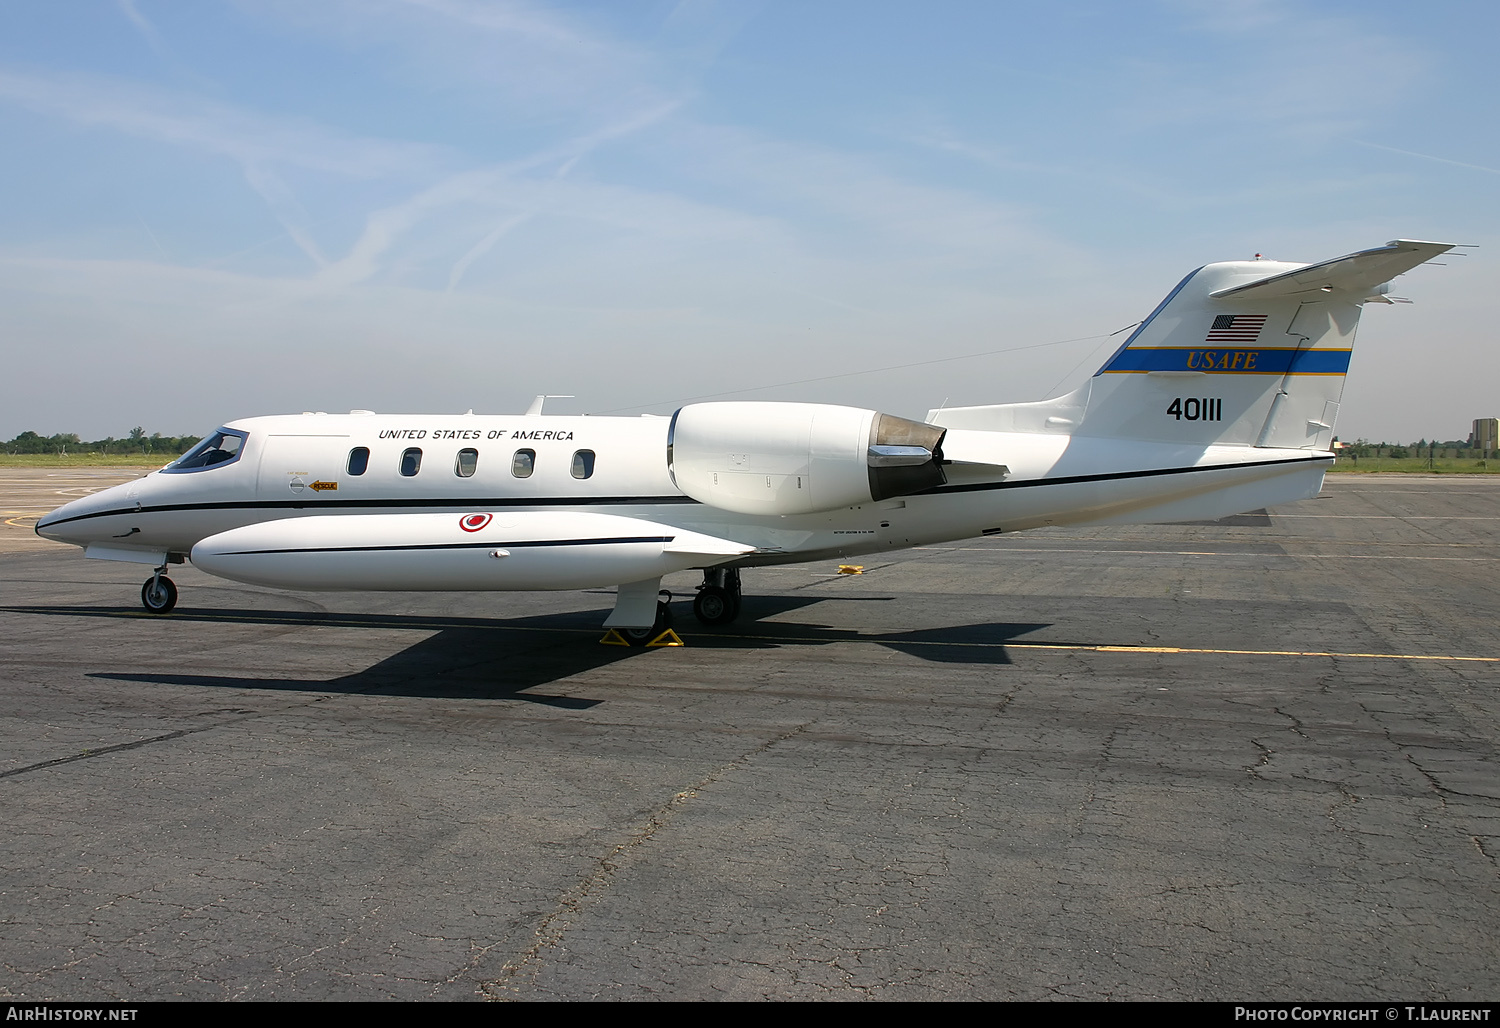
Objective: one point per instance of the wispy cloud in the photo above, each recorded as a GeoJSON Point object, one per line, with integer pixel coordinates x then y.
{"type": "Point", "coordinates": [259, 144]}
{"type": "Point", "coordinates": [1268, 63]}
{"type": "Point", "coordinates": [824, 189]}
{"type": "Point", "coordinates": [182, 119]}
{"type": "Point", "coordinates": [1427, 156]}
{"type": "Point", "coordinates": [535, 63]}
{"type": "Point", "coordinates": [144, 27]}
{"type": "Point", "coordinates": [999, 159]}
{"type": "Point", "coordinates": [285, 208]}
{"type": "Point", "coordinates": [505, 185]}
{"type": "Point", "coordinates": [482, 247]}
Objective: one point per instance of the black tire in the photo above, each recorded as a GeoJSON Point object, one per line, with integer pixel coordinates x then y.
{"type": "Point", "coordinates": [638, 636]}
{"type": "Point", "coordinates": [715, 606]}
{"type": "Point", "coordinates": [641, 636]}
{"type": "Point", "coordinates": [159, 595]}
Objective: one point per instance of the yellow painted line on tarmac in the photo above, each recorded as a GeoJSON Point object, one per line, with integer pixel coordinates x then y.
{"type": "Point", "coordinates": [1382, 556]}
{"type": "Point", "coordinates": [1101, 648]}
{"type": "Point", "coordinates": [1282, 653]}
{"type": "Point", "coordinates": [1397, 517]}
{"type": "Point", "coordinates": [1202, 553]}
{"type": "Point", "coordinates": [1088, 648]}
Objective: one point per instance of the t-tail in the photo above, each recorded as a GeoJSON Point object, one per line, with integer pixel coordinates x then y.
{"type": "Point", "coordinates": [1242, 353]}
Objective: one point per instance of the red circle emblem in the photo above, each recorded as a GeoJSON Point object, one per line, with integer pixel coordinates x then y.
{"type": "Point", "coordinates": [474, 522]}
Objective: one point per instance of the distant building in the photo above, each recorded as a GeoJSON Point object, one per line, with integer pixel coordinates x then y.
{"type": "Point", "coordinates": [1486, 434]}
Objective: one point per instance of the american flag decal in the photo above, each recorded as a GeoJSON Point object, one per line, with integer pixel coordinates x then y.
{"type": "Point", "coordinates": [1235, 328]}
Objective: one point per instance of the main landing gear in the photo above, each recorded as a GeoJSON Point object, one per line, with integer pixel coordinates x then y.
{"type": "Point", "coordinates": [718, 599]}
{"type": "Point", "coordinates": [641, 636]}
{"type": "Point", "coordinates": [717, 603]}
{"type": "Point", "coordinates": [159, 594]}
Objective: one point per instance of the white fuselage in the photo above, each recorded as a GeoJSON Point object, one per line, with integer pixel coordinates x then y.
{"type": "Point", "coordinates": [298, 466]}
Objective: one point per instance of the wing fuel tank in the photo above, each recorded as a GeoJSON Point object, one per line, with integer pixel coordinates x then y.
{"type": "Point", "coordinates": [478, 551]}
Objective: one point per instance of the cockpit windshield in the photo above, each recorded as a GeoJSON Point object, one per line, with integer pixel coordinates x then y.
{"type": "Point", "coordinates": [219, 449]}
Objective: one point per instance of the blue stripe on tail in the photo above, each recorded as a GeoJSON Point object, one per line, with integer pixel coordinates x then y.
{"type": "Point", "coordinates": [1231, 360]}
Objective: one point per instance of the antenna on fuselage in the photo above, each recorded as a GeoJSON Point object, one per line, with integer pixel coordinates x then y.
{"type": "Point", "coordinates": [536, 405]}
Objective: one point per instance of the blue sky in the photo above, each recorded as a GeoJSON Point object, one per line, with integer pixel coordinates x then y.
{"type": "Point", "coordinates": [217, 210]}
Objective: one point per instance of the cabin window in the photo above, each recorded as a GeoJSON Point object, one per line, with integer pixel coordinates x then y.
{"type": "Point", "coordinates": [411, 462]}
{"type": "Point", "coordinates": [583, 463]}
{"type": "Point", "coordinates": [523, 463]}
{"type": "Point", "coordinates": [359, 460]}
{"type": "Point", "coordinates": [467, 461]}
{"type": "Point", "coordinates": [223, 447]}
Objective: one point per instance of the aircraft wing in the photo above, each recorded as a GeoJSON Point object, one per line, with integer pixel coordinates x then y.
{"type": "Point", "coordinates": [1355, 272]}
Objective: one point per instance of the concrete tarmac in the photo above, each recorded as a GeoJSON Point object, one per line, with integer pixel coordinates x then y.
{"type": "Point", "coordinates": [1252, 759]}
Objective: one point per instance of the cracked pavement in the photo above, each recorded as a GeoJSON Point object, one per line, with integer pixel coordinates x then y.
{"type": "Point", "coordinates": [928, 781]}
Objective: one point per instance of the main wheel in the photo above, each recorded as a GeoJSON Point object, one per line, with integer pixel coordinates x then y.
{"type": "Point", "coordinates": [159, 594]}
{"type": "Point", "coordinates": [716, 606]}
{"type": "Point", "coordinates": [641, 636]}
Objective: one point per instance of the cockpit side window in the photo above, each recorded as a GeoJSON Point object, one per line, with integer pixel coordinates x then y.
{"type": "Point", "coordinates": [221, 448]}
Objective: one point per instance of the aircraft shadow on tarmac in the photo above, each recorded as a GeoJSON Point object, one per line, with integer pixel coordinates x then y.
{"type": "Point", "coordinates": [495, 658]}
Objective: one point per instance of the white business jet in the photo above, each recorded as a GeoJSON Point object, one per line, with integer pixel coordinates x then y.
{"type": "Point", "coordinates": [1222, 400]}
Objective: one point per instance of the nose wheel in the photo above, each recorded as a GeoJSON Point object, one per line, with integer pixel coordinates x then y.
{"type": "Point", "coordinates": [159, 594]}
{"type": "Point", "coordinates": [718, 599]}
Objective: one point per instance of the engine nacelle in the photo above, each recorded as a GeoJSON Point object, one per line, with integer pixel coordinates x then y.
{"type": "Point", "coordinates": [799, 458]}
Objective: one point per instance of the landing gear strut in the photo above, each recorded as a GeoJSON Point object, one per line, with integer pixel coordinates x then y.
{"type": "Point", "coordinates": [641, 636]}
{"type": "Point", "coordinates": [159, 594]}
{"type": "Point", "coordinates": [718, 599]}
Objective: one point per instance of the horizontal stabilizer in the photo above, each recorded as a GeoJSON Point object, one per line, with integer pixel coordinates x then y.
{"type": "Point", "coordinates": [1353, 273]}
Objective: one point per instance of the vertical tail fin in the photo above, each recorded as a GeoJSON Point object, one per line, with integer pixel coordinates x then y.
{"type": "Point", "coordinates": [1248, 353]}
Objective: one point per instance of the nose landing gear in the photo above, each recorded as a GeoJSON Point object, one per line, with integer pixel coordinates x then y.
{"type": "Point", "coordinates": [159, 594]}
{"type": "Point", "coordinates": [718, 599]}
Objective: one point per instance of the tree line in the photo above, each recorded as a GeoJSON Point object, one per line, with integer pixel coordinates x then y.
{"type": "Point", "coordinates": [1454, 448]}
{"type": "Point", "coordinates": [137, 441]}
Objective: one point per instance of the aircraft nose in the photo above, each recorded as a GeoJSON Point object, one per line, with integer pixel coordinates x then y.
{"type": "Point", "coordinates": [71, 522]}
{"type": "Point", "coordinates": [55, 525]}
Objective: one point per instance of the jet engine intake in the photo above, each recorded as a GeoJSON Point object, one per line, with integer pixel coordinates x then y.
{"type": "Point", "coordinates": [799, 458]}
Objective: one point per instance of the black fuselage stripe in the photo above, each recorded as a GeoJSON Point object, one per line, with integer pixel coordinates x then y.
{"type": "Point", "coordinates": [492, 545]}
{"type": "Point", "coordinates": [1113, 476]}
{"type": "Point", "coordinates": [458, 504]}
